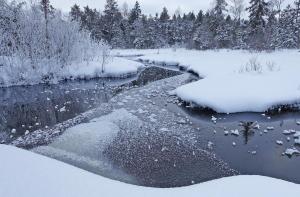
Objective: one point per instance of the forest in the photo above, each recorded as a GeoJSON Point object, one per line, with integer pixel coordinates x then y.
{"type": "Point", "coordinates": [264, 25]}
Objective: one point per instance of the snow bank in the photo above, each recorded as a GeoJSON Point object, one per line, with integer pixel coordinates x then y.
{"type": "Point", "coordinates": [26, 174]}
{"type": "Point", "coordinates": [117, 67]}
{"type": "Point", "coordinates": [18, 73]}
{"type": "Point", "coordinates": [228, 87]}
{"type": "Point", "coordinates": [242, 92]}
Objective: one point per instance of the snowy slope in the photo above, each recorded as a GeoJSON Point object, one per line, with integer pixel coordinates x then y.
{"type": "Point", "coordinates": [25, 174]}
{"type": "Point", "coordinates": [228, 87]}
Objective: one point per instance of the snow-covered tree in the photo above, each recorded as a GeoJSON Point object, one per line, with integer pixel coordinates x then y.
{"type": "Point", "coordinates": [23, 55]}
{"type": "Point", "coordinates": [135, 13]}
{"type": "Point", "coordinates": [164, 16]}
{"type": "Point", "coordinates": [76, 13]}
{"type": "Point", "coordinates": [236, 8]}
{"type": "Point", "coordinates": [257, 22]}
{"type": "Point", "coordinates": [111, 20]}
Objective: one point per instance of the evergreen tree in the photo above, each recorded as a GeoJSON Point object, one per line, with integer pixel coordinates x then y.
{"type": "Point", "coordinates": [75, 13]}
{"type": "Point", "coordinates": [265, 29]}
{"type": "Point", "coordinates": [220, 7]}
{"type": "Point", "coordinates": [297, 21]}
{"type": "Point", "coordinates": [164, 17]}
{"type": "Point", "coordinates": [285, 35]}
{"type": "Point", "coordinates": [199, 18]}
{"type": "Point", "coordinates": [257, 21]}
{"type": "Point", "coordinates": [111, 20]}
{"type": "Point", "coordinates": [135, 13]}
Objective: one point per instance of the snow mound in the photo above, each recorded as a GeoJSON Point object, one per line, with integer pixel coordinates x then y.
{"type": "Point", "coordinates": [242, 92]}
{"type": "Point", "coordinates": [117, 67]}
{"type": "Point", "coordinates": [26, 174]}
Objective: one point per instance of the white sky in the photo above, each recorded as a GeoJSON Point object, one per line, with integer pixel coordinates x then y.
{"type": "Point", "coordinates": [148, 6]}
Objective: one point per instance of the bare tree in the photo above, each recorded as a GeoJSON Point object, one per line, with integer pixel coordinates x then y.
{"type": "Point", "coordinates": [105, 57]}
{"type": "Point", "coordinates": [277, 4]}
{"type": "Point", "coordinates": [178, 12]}
{"type": "Point", "coordinates": [125, 10]}
{"type": "Point", "coordinates": [237, 7]}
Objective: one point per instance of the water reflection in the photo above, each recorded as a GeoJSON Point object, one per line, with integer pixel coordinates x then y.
{"type": "Point", "coordinates": [248, 130]}
{"type": "Point", "coordinates": [25, 109]}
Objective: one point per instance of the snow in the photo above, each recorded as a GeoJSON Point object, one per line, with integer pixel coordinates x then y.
{"type": "Point", "coordinates": [117, 67]}
{"type": "Point", "coordinates": [242, 92]}
{"type": "Point", "coordinates": [227, 86]}
{"type": "Point", "coordinates": [83, 144]}
{"type": "Point", "coordinates": [292, 151]}
{"type": "Point", "coordinates": [26, 174]}
{"type": "Point", "coordinates": [235, 132]}
{"type": "Point", "coordinates": [289, 132]}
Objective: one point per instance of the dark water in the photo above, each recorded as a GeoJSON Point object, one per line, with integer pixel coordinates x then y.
{"type": "Point", "coordinates": [256, 151]}
{"type": "Point", "coordinates": [28, 108]}
{"type": "Point", "coordinates": [156, 159]}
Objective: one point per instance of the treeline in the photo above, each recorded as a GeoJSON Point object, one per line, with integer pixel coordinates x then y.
{"type": "Point", "coordinates": [269, 26]}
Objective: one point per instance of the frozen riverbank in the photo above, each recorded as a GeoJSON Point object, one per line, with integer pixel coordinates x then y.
{"type": "Point", "coordinates": [115, 67]}
{"type": "Point", "coordinates": [234, 81]}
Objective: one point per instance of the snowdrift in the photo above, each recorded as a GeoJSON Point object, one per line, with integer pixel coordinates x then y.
{"type": "Point", "coordinates": [26, 174]}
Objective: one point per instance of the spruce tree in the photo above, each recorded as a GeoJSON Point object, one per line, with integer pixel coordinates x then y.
{"type": "Point", "coordinates": [75, 13]}
{"type": "Point", "coordinates": [135, 13]}
{"type": "Point", "coordinates": [257, 22]}
{"type": "Point", "coordinates": [164, 17]}
{"type": "Point", "coordinates": [111, 20]}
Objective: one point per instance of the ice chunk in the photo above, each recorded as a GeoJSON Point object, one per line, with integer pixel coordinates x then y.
{"type": "Point", "coordinates": [235, 132]}
{"type": "Point", "coordinates": [292, 151]}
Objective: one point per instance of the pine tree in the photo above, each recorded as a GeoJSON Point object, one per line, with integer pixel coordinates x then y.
{"type": "Point", "coordinates": [220, 7]}
{"type": "Point", "coordinates": [217, 22]}
{"type": "Point", "coordinates": [257, 22]}
{"type": "Point", "coordinates": [285, 35]}
{"type": "Point", "coordinates": [111, 20]}
{"type": "Point", "coordinates": [164, 17]}
{"type": "Point", "coordinates": [135, 13]}
{"type": "Point", "coordinates": [203, 38]}
{"type": "Point", "coordinates": [297, 21]}
{"type": "Point", "coordinates": [76, 13]}
{"type": "Point", "coordinates": [199, 18]}
{"type": "Point", "coordinates": [271, 30]}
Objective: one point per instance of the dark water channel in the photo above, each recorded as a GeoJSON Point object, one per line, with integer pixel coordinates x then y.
{"type": "Point", "coordinates": [24, 109]}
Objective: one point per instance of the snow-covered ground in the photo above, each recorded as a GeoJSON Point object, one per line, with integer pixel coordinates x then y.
{"type": "Point", "coordinates": [234, 81]}
{"type": "Point", "coordinates": [15, 73]}
{"type": "Point", "coordinates": [116, 67]}
{"type": "Point", "coordinates": [28, 174]}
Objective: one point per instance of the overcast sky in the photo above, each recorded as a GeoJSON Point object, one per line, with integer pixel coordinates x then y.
{"type": "Point", "coordinates": [148, 6]}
